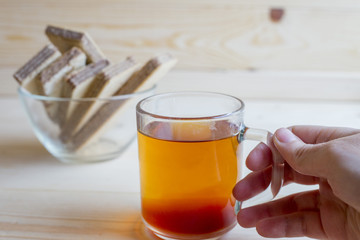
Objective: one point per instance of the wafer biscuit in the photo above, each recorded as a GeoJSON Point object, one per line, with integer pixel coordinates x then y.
{"type": "Point", "coordinates": [146, 77]}
{"type": "Point", "coordinates": [155, 69]}
{"type": "Point", "coordinates": [105, 84]}
{"type": "Point", "coordinates": [51, 78]}
{"type": "Point", "coordinates": [75, 86]}
{"type": "Point", "coordinates": [26, 75]}
{"type": "Point", "coordinates": [64, 39]}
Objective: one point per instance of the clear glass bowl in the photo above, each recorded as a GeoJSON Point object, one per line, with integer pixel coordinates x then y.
{"type": "Point", "coordinates": [108, 127]}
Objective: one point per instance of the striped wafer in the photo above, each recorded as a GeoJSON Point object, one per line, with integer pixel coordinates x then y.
{"type": "Point", "coordinates": [143, 79]}
{"type": "Point", "coordinates": [64, 39]}
{"type": "Point", "coordinates": [26, 75]}
{"type": "Point", "coordinates": [75, 86]}
{"type": "Point", "coordinates": [105, 84]}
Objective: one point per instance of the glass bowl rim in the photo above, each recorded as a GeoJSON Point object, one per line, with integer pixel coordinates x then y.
{"type": "Point", "coordinates": [25, 93]}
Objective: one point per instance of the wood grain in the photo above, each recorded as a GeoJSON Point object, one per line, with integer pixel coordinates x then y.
{"type": "Point", "coordinates": [105, 216]}
{"type": "Point", "coordinates": [286, 85]}
{"type": "Point", "coordinates": [312, 35]}
{"type": "Point", "coordinates": [41, 198]}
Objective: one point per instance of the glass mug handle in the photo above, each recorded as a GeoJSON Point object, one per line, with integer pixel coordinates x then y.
{"type": "Point", "coordinates": [277, 174]}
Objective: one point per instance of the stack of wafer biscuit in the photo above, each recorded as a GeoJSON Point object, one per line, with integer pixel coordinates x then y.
{"type": "Point", "coordinates": [73, 66]}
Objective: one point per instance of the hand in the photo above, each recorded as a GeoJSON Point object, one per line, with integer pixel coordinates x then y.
{"type": "Point", "coordinates": [329, 157]}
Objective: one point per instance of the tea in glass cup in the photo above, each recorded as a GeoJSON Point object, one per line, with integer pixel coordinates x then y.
{"type": "Point", "coordinates": [190, 160]}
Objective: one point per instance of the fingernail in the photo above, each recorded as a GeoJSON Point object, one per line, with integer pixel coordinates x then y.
{"type": "Point", "coordinates": [284, 135]}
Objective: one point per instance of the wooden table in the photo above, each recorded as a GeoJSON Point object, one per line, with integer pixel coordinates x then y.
{"type": "Point", "coordinates": [41, 198]}
{"type": "Point", "coordinates": [297, 70]}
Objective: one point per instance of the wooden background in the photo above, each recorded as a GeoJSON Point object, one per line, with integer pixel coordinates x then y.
{"type": "Point", "coordinates": [235, 36]}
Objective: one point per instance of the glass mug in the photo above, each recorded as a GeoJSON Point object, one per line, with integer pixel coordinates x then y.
{"type": "Point", "coordinates": [190, 147]}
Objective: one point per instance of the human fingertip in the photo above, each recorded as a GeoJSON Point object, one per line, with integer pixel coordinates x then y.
{"type": "Point", "coordinates": [240, 191]}
{"type": "Point", "coordinates": [236, 192]}
{"type": "Point", "coordinates": [259, 158]}
{"type": "Point", "coordinates": [284, 135]}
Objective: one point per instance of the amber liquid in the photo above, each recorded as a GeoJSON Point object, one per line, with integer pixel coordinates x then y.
{"type": "Point", "coordinates": [186, 185]}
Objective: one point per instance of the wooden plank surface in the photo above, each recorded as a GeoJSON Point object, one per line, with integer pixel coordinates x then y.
{"type": "Point", "coordinates": [41, 198]}
{"type": "Point", "coordinates": [81, 215]}
{"type": "Point", "coordinates": [286, 85]}
{"type": "Point", "coordinates": [218, 36]}
{"type": "Point", "coordinates": [312, 35]}
{"type": "Point", "coordinates": [283, 85]}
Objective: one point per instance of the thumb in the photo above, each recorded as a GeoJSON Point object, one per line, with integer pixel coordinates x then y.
{"type": "Point", "coordinates": [307, 159]}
